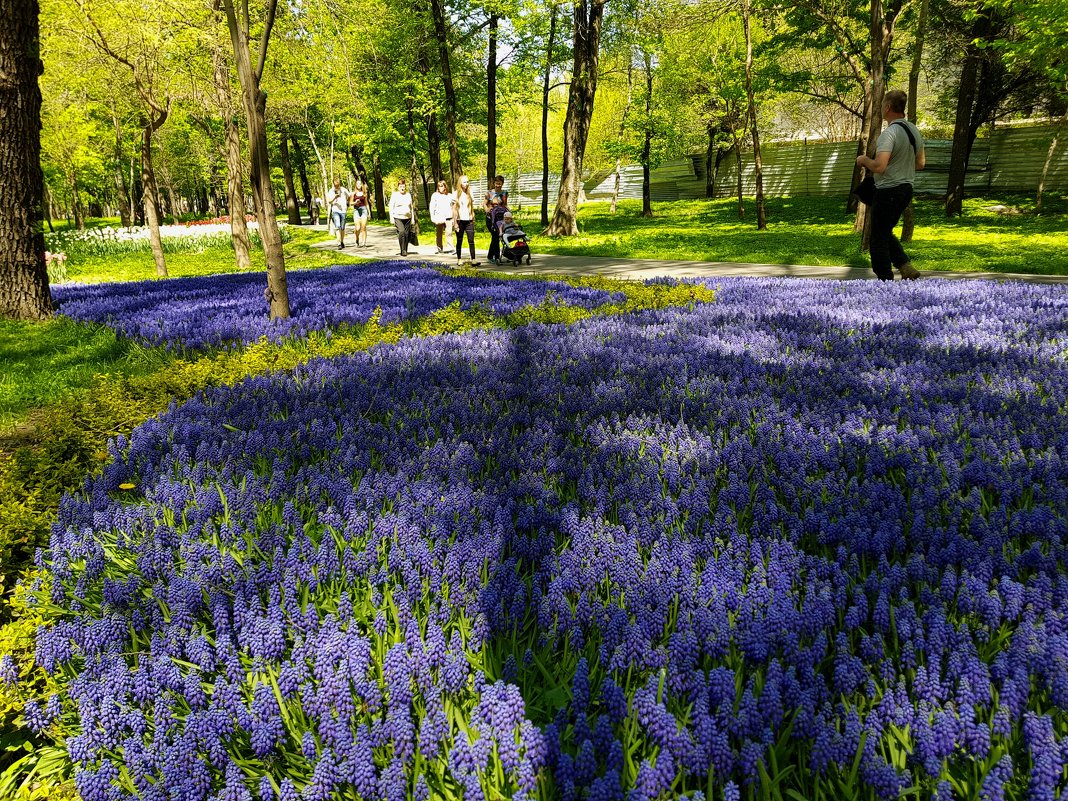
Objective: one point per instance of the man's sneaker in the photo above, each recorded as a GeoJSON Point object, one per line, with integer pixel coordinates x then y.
{"type": "Point", "coordinates": [908, 272]}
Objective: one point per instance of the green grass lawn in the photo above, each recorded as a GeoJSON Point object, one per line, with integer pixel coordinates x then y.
{"type": "Point", "coordinates": [299, 254]}
{"type": "Point", "coordinates": [818, 231]}
{"type": "Point", "coordinates": [41, 362]}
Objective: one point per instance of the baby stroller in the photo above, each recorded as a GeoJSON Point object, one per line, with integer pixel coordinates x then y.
{"type": "Point", "coordinates": [514, 247]}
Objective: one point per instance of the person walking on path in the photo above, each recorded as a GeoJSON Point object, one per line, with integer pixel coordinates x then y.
{"type": "Point", "coordinates": [898, 154]}
{"type": "Point", "coordinates": [441, 216]}
{"type": "Point", "coordinates": [337, 202]}
{"type": "Point", "coordinates": [463, 219]}
{"type": "Point", "coordinates": [496, 197]}
{"type": "Point", "coordinates": [361, 210]}
{"type": "Point", "coordinates": [402, 210]}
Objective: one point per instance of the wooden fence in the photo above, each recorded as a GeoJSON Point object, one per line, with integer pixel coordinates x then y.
{"type": "Point", "coordinates": [1010, 159]}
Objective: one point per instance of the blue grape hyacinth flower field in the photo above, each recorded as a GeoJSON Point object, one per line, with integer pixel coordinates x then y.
{"type": "Point", "coordinates": [218, 310]}
{"type": "Point", "coordinates": [809, 538]}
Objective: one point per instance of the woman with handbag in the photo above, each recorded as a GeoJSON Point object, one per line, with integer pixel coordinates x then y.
{"type": "Point", "coordinates": [402, 211]}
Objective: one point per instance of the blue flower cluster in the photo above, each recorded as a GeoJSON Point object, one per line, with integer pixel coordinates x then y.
{"type": "Point", "coordinates": [818, 525]}
{"type": "Point", "coordinates": [214, 310]}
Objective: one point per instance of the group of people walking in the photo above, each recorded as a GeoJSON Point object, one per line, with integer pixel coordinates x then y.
{"type": "Point", "coordinates": [452, 212]}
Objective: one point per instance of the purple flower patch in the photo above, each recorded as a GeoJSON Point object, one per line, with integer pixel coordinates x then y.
{"type": "Point", "coordinates": [630, 558]}
{"type": "Point", "coordinates": [215, 310]}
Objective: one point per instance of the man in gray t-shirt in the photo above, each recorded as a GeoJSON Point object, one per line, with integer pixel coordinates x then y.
{"type": "Point", "coordinates": [894, 167]}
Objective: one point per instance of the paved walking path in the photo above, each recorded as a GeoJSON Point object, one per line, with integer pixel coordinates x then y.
{"type": "Point", "coordinates": [382, 244]}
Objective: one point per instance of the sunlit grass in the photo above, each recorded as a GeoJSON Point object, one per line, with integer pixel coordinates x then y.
{"type": "Point", "coordinates": [40, 363]}
{"type": "Point", "coordinates": [818, 231]}
{"type": "Point", "coordinates": [139, 266]}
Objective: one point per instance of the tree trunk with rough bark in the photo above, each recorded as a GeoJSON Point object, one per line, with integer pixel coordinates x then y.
{"type": "Point", "coordinates": [122, 191]}
{"type": "Point", "coordinates": [587, 44]}
{"type": "Point", "coordinates": [255, 102]}
{"type": "Point", "coordinates": [545, 86]}
{"type": "Point", "coordinates": [24, 292]}
{"type": "Point", "coordinates": [437, 11]}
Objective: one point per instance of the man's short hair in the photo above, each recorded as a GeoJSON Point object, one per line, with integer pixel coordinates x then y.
{"type": "Point", "coordinates": [498, 177]}
{"type": "Point", "coordinates": [896, 100]}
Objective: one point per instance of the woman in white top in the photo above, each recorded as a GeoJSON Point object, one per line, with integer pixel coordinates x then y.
{"type": "Point", "coordinates": [441, 215]}
{"type": "Point", "coordinates": [463, 219]}
{"type": "Point", "coordinates": [337, 200]}
{"type": "Point", "coordinates": [402, 210]}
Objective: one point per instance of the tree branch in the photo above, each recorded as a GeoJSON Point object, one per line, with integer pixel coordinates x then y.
{"type": "Point", "coordinates": [272, 11]}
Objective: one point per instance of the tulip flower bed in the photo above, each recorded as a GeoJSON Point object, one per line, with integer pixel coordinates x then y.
{"type": "Point", "coordinates": [808, 539]}
{"type": "Point", "coordinates": [213, 310]}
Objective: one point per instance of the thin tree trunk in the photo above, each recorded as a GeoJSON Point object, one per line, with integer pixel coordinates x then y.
{"type": "Point", "coordinates": [958, 159]}
{"type": "Point", "coordinates": [622, 129]}
{"type": "Point", "coordinates": [712, 162]}
{"type": "Point", "coordinates": [491, 102]}
{"type": "Point", "coordinates": [122, 191]}
{"type": "Point", "coordinates": [380, 195]}
{"type": "Point", "coordinates": [754, 130]}
{"type": "Point", "coordinates": [440, 34]}
{"type": "Point", "coordinates": [1049, 161]}
{"type": "Point", "coordinates": [647, 145]}
{"type": "Point", "coordinates": [49, 209]}
{"type": "Point", "coordinates": [255, 101]}
{"type": "Point", "coordinates": [292, 207]}
{"type": "Point", "coordinates": [235, 195]}
{"type": "Point", "coordinates": [908, 219]}
{"type": "Point", "coordinates": [148, 181]}
{"type": "Point", "coordinates": [545, 118]}
{"type": "Point", "coordinates": [741, 195]}
{"type": "Point", "coordinates": [583, 90]}
{"type": "Point", "coordinates": [305, 187]}
{"type": "Point", "coordinates": [76, 204]}
{"type": "Point", "coordinates": [24, 292]}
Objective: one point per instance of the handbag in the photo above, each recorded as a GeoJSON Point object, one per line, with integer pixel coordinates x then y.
{"type": "Point", "coordinates": [413, 237]}
{"type": "Point", "coordinates": [865, 190]}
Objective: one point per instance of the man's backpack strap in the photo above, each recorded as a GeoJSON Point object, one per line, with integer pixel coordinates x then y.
{"type": "Point", "coordinates": [908, 133]}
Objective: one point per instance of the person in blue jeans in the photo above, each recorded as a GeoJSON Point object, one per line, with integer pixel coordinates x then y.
{"type": "Point", "coordinates": [899, 153]}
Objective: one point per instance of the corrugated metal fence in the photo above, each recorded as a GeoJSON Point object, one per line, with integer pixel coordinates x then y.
{"type": "Point", "coordinates": [1011, 159]}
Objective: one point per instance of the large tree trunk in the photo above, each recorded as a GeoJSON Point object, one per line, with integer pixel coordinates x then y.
{"type": "Point", "coordinates": [491, 102]}
{"type": "Point", "coordinates": [150, 125]}
{"type": "Point", "coordinates": [440, 34]}
{"type": "Point", "coordinates": [647, 145]}
{"type": "Point", "coordinates": [24, 292]}
{"type": "Point", "coordinates": [292, 207]}
{"type": "Point", "coordinates": [758, 165]}
{"type": "Point", "coordinates": [255, 102]}
{"type": "Point", "coordinates": [545, 85]}
{"type": "Point", "coordinates": [588, 17]}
